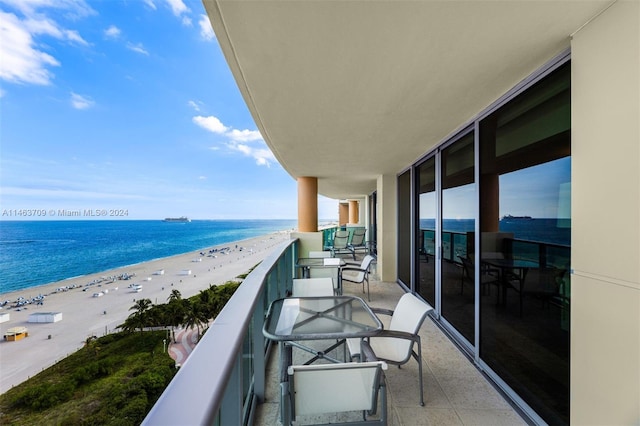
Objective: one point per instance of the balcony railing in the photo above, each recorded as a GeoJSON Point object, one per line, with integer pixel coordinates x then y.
{"type": "Point", "coordinates": [224, 377]}
{"type": "Point", "coordinates": [327, 234]}
{"type": "Point", "coordinates": [455, 245]}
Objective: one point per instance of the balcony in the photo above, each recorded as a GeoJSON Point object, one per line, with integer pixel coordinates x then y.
{"type": "Point", "coordinates": [232, 376]}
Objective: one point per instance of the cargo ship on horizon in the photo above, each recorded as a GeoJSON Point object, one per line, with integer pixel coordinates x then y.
{"type": "Point", "coordinates": [510, 217]}
{"type": "Point", "coordinates": [181, 219]}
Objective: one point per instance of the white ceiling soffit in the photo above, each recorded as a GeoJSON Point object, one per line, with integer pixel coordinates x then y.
{"type": "Point", "coordinates": [350, 90]}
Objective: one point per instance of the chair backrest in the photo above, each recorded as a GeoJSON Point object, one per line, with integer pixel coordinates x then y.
{"type": "Point", "coordinates": [359, 276]}
{"type": "Point", "coordinates": [325, 273]}
{"type": "Point", "coordinates": [312, 287]}
{"type": "Point", "coordinates": [408, 316]}
{"type": "Point", "coordinates": [366, 262]}
{"type": "Point", "coordinates": [340, 241]}
{"type": "Point", "coordinates": [341, 233]}
{"type": "Point", "coordinates": [357, 239]}
{"type": "Point", "coordinates": [467, 266]}
{"type": "Point", "coordinates": [317, 254]}
{"type": "Point", "coordinates": [332, 388]}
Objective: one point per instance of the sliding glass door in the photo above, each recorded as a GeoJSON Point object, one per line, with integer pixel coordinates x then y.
{"type": "Point", "coordinates": [525, 224]}
{"type": "Point", "coordinates": [458, 202]}
{"type": "Point", "coordinates": [506, 177]}
{"type": "Point", "coordinates": [426, 230]}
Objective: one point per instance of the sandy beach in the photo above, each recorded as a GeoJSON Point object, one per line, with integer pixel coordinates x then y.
{"type": "Point", "coordinates": [85, 315]}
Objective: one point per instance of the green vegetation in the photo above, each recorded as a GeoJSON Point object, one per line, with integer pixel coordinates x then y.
{"type": "Point", "coordinates": [115, 379]}
{"type": "Point", "coordinates": [195, 312]}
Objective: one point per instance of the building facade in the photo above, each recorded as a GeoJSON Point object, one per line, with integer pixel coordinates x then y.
{"type": "Point", "coordinates": [498, 146]}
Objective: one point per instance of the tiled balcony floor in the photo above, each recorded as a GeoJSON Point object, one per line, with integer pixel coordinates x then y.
{"type": "Point", "coordinates": [456, 393]}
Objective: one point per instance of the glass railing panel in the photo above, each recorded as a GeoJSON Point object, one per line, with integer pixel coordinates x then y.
{"type": "Point", "coordinates": [224, 374]}
{"type": "Point", "coordinates": [459, 246]}
{"type": "Point", "coordinates": [429, 236]}
{"type": "Point", "coordinates": [446, 246]}
{"type": "Point", "coordinates": [525, 250]}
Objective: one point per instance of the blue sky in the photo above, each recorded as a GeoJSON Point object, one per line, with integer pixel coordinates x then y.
{"type": "Point", "coordinates": [542, 191]}
{"type": "Point", "coordinates": [129, 106]}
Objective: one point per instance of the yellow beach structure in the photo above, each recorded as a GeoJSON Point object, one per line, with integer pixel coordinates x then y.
{"type": "Point", "coordinates": [16, 333]}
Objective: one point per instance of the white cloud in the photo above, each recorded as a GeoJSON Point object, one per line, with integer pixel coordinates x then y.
{"type": "Point", "coordinates": [112, 32]}
{"type": "Point", "coordinates": [206, 30]}
{"type": "Point", "coordinates": [74, 9]}
{"type": "Point", "coordinates": [195, 105]}
{"type": "Point", "coordinates": [151, 4]}
{"type": "Point", "coordinates": [245, 135]}
{"type": "Point", "coordinates": [178, 7]}
{"type": "Point", "coordinates": [21, 61]}
{"type": "Point", "coordinates": [238, 140]}
{"type": "Point", "coordinates": [44, 26]}
{"type": "Point", "coordinates": [210, 123]}
{"type": "Point", "coordinates": [81, 102]}
{"type": "Point", "coordinates": [75, 37]}
{"type": "Point", "coordinates": [263, 156]}
{"type": "Point", "coordinates": [138, 48]}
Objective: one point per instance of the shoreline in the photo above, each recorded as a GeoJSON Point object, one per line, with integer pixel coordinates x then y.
{"type": "Point", "coordinates": [195, 252]}
{"type": "Point", "coordinates": [84, 315]}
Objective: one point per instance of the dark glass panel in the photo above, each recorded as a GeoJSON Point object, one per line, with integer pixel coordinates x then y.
{"type": "Point", "coordinates": [525, 223]}
{"type": "Point", "coordinates": [458, 225]}
{"type": "Point", "coordinates": [404, 228]}
{"type": "Point", "coordinates": [426, 249]}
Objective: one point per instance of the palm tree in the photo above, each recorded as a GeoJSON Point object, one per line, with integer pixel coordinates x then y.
{"type": "Point", "coordinates": [174, 296]}
{"type": "Point", "coordinates": [195, 316]}
{"type": "Point", "coordinates": [139, 316]}
{"type": "Point", "coordinates": [175, 311]}
{"type": "Point", "coordinates": [92, 344]}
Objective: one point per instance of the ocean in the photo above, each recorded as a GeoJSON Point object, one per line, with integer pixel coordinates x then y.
{"type": "Point", "coordinates": [34, 253]}
{"type": "Point", "coordinates": [539, 230]}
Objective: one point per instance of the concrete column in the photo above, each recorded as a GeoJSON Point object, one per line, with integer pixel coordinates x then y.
{"type": "Point", "coordinates": [490, 179]}
{"type": "Point", "coordinates": [343, 214]}
{"type": "Point", "coordinates": [605, 188]}
{"type": "Point", "coordinates": [490, 203]}
{"type": "Point", "coordinates": [387, 187]}
{"type": "Point", "coordinates": [354, 213]}
{"type": "Point", "coordinates": [308, 204]}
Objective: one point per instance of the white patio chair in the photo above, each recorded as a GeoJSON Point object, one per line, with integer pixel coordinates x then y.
{"type": "Point", "coordinates": [358, 274]}
{"type": "Point", "coordinates": [324, 272]}
{"type": "Point", "coordinates": [320, 254]}
{"type": "Point", "coordinates": [396, 344]}
{"type": "Point", "coordinates": [336, 388]}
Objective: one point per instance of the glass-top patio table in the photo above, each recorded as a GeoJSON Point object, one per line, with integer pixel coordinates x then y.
{"type": "Point", "coordinates": [295, 319]}
{"type": "Point", "coordinates": [317, 318]}
{"type": "Point", "coordinates": [307, 263]}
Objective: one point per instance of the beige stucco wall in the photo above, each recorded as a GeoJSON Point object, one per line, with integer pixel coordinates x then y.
{"type": "Point", "coordinates": [387, 227]}
{"type": "Point", "coordinates": [605, 284]}
{"type": "Point", "coordinates": [309, 241]}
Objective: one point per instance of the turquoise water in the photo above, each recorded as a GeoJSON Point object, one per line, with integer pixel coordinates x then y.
{"type": "Point", "coordinates": [41, 252]}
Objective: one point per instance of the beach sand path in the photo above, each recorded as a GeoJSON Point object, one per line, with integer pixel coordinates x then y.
{"type": "Point", "coordinates": [84, 315]}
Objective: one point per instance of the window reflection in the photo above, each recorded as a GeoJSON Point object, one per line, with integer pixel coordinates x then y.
{"type": "Point", "coordinates": [458, 225]}
{"type": "Point", "coordinates": [426, 239]}
{"type": "Point", "coordinates": [525, 223]}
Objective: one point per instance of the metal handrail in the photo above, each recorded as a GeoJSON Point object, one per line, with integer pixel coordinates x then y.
{"type": "Point", "coordinates": [220, 382]}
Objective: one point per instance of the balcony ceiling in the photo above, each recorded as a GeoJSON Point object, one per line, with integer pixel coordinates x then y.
{"type": "Point", "coordinates": [350, 90]}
